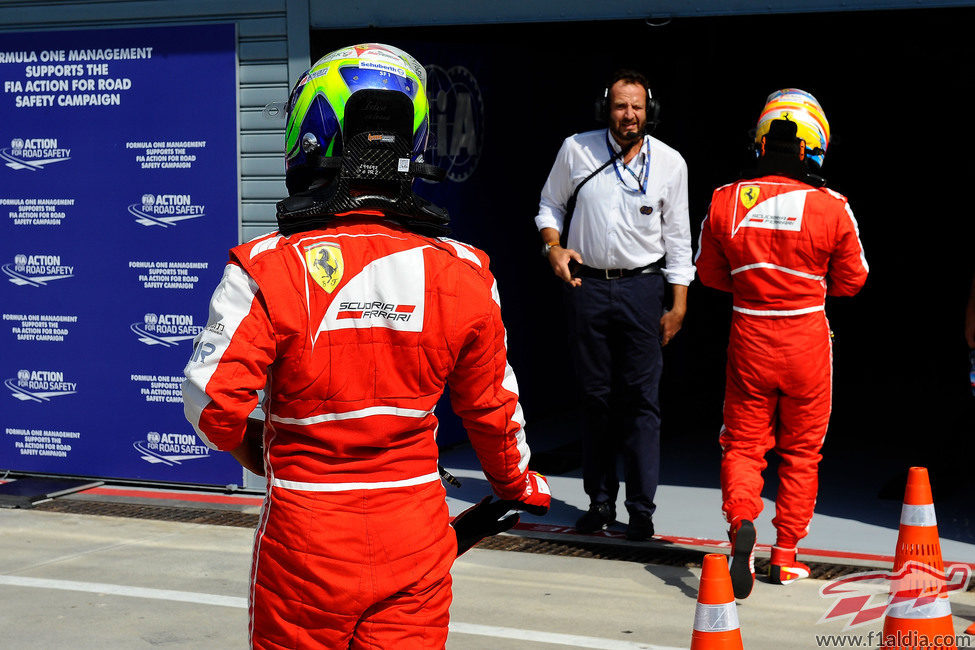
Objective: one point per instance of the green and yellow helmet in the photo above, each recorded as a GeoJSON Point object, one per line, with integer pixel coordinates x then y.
{"type": "Point", "coordinates": [316, 107]}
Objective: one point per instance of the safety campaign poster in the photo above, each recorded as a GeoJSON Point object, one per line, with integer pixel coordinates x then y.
{"type": "Point", "coordinates": [118, 202]}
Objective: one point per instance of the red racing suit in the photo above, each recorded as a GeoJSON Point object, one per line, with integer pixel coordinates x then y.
{"type": "Point", "coordinates": [353, 332]}
{"type": "Point", "coordinates": [779, 246]}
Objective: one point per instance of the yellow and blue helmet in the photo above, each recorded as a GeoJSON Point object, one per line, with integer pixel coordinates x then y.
{"type": "Point", "coordinates": [802, 109]}
{"type": "Point", "coordinates": [316, 107]}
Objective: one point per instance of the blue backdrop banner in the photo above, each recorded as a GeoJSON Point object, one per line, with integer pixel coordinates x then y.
{"type": "Point", "coordinates": [118, 197]}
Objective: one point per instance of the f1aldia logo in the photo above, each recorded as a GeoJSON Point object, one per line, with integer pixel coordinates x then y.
{"type": "Point", "coordinates": [916, 590]}
{"type": "Point", "coordinates": [37, 270]}
{"type": "Point", "coordinates": [167, 330]}
{"type": "Point", "coordinates": [33, 153]}
{"type": "Point", "coordinates": [40, 385]}
{"type": "Point", "coordinates": [170, 448]}
{"type": "Point", "coordinates": [165, 209]}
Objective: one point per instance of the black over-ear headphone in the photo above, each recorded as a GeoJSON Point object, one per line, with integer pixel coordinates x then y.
{"type": "Point", "coordinates": [632, 76]}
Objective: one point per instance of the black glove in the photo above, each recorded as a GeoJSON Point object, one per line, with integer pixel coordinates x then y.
{"type": "Point", "coordinates": [482, 520]}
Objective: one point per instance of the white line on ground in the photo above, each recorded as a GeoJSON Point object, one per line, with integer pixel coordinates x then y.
{"type": "Point", "coordinates": [122, 590]}
{"type": "Point", "coordinates": [571, 640]}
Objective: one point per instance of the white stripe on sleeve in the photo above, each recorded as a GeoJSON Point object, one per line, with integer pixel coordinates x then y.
{"type": "Point", "coordinates": [510, 382]}
{"type": "Point", "coordinates": [230, 304]}
{"type": "Point", "coordinates": [856, 229]}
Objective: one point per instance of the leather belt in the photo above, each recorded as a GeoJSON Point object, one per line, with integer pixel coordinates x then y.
{"type": "Point", "coordinates": [584, 271]}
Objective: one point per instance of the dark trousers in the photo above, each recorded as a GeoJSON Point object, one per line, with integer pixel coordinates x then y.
{"type": "Point", "coordinates": [614, 329]}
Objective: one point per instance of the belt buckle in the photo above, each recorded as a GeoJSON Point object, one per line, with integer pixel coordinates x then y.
{"type": "Point", "coordinates": [613, 274]}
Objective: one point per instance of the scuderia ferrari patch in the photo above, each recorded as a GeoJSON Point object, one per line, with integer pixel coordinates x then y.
{"type": "Point", "coordinates": [325, 265]}
{"type": "Point", "coordinates": [748, 194]}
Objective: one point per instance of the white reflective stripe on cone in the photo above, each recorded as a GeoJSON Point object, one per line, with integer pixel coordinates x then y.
{"type": "Point", "coordinates": [918, 515]}
{"type": "Point", "coordinates": [938, 608]}
{"type": "Point", "coordinates": [716, 618]}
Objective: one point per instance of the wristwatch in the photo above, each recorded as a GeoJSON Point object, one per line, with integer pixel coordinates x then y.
{"type": "Point", "coordinates": [546, 248]}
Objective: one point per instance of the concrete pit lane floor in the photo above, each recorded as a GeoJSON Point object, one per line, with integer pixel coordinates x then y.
{"type": "Point", "coordinates": [89, 581]}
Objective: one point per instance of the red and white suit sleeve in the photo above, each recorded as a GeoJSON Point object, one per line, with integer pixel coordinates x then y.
{"type": "Point", "coordinates": [484, 394]}
{"type": "Point", "coordinates": [847, 265]}
{"type": "Point", "coordinates": [230, 362]}
{"type": "Point", "coordinates": [712, 265]}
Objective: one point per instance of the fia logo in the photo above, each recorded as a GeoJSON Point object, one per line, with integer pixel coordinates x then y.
{"type": "Point", "coordinates": [166, 330]}
{"type": "Point", "coordinates": [37, 270]}
{"type": "Point", "coordinates": [33, 153]}
{"type": "Point", "coordinates": [170, 449]}
{"type": "Point", "coordinates": [456, 120]}
{"type": "Point", "coordinates": [40, 385]}
{"type": "Point", "coordinates": [165, 210]}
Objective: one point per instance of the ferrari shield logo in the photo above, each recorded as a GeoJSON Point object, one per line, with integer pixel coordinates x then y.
{"type": "Point", "coordinates": [325, 265]}
{"type": "Point", "coordinates": [748, 195]}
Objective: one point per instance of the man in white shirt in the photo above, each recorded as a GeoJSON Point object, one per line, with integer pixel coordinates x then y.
{"type": "Point", "coordinates": [629, 236]}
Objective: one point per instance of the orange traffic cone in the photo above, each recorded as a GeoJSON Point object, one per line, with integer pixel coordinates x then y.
{"type": "Point", "coordinates": [971, 629]}
{"type": "Point", "coordinates": [919, 604]}
{"type": "Point", "coordinates": [716, 617]}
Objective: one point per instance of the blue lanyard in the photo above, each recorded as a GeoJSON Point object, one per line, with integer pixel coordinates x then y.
{"type": "Point", "coordinates": [641, 185]}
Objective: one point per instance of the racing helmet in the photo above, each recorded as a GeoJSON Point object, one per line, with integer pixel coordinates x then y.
{"type": "Point", "coordinates": [801, 109]}
{"type": "Point", "coordinates": [315, 135]}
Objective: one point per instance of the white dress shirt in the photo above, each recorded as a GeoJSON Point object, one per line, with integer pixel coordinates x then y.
{"type": "Point", "coordinates": [626, 216]}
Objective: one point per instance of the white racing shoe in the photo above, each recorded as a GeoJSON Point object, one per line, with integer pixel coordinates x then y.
{"type": "Point", "coordinates": [784, 569]}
